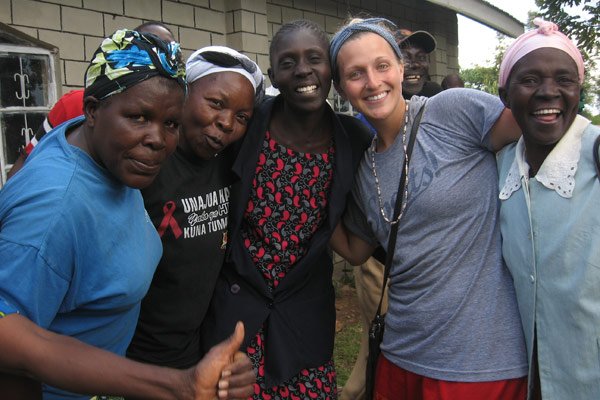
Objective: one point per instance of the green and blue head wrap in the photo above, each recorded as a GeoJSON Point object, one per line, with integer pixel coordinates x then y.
{"type": "Point", "coordinates": [127, 58]}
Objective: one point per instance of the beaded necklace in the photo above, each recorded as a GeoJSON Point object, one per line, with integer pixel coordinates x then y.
{"type": "Point", "coordinates": [373, 148]}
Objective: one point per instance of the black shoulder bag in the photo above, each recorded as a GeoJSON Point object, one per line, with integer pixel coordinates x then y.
{"type": "Point", "coordinates": [378, 323]}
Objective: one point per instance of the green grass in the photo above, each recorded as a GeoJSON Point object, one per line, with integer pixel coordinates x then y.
{"type": "Point", "coordinates": [347, 343]}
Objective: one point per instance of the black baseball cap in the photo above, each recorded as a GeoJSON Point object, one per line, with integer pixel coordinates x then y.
{"type": "Point", "coordinates": [420, 39]}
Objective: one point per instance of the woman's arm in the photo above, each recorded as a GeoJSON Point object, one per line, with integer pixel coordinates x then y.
{"type": "Point", "coordinates": [355, 250]}
{"type": "Point", "coordinates": [16, 166]}
{"type": "Point", "coordinates": [67, 363]}
{"type": "Point", "coordinates": [505, 130]}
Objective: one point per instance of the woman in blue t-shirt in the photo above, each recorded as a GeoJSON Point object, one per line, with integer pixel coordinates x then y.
{"type": "Point", "coordinates": [77, 247]}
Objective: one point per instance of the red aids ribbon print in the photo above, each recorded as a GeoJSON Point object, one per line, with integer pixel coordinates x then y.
{"type": "Point", "coordinates": [168, 220]}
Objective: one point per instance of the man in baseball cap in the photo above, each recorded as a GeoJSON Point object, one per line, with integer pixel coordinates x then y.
{"type": "Point", "coordinates": [416, 47]}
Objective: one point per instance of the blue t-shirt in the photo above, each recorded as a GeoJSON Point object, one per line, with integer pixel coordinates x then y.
{"type": "Point", "coordinates": [78, 249]}
{"type": "Point", "coordinates": [452, 309]}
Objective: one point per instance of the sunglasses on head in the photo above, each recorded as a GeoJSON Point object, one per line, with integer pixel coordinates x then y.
{"type": "Point", "coordinates": [227, 60]}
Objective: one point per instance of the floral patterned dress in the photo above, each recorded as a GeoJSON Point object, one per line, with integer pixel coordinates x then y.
{"type": "Point", "coordinates": [287, 205]}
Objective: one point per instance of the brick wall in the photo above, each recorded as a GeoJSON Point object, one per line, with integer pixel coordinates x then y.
{"type": "Point", "coordinates": [76, 27]}
{"type": "Point", "coordinates": [410, 14]}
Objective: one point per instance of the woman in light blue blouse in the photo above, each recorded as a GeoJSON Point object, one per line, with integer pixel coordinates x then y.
{"type": "Point", "coordinates": [550, 217]}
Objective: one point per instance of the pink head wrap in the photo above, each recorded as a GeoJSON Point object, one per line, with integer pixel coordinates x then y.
{"type": "Point", "coordinates": [547, 35]}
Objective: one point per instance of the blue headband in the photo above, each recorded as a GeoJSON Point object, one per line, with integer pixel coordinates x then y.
{"type": "Point", "coordinates": [367, 25]}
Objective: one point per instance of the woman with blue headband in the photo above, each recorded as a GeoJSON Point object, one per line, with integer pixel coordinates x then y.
{"type": "Point", "coordinates": [78, 249]}
{"type": "Point", "coordinates": [452, 329]}
{"type": "Point", "coordinates": [549, 193]}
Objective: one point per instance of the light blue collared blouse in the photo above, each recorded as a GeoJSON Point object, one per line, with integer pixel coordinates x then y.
{"type": "Point", "coordinates": [551, 243]}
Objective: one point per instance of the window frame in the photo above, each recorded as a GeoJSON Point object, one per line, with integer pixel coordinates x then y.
{"type": "Point", "coordinates": [7, 48]}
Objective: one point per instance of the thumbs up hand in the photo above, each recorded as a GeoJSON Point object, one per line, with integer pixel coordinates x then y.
{"type": "Point", "coordinates": [225, 372]}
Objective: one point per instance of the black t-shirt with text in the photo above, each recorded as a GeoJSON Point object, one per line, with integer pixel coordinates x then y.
{"type": "Point", "coordinates": [188, 204]}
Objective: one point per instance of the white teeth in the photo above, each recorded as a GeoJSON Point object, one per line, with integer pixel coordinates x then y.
{"type": "Point", "coordinates": [411, 77]}
{"type": "Point", "coordinates": [306, 89]}
{"type": "Point", "coordinates": [377, 97]}
{"type": "Point", "coordinates": [547, 111]}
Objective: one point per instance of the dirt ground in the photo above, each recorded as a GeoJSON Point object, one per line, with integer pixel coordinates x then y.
{"type": "Point", "coordinates": [346, 306]}
{"type": "Point", "coordinates": [346, 302]}
{"type": "Point", "coordinates": [348, 327]}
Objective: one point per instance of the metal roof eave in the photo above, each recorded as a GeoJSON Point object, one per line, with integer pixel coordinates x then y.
{"type": "Point", "coordinates": [485, 14]}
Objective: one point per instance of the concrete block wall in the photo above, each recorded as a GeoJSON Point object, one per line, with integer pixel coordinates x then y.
{"type": "Point", "coordinates": [76, 27]}
{"type": "Point", "coordinates": [410, 14]}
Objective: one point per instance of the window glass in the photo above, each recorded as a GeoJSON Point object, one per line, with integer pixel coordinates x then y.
{"type": "Point", "coordinates": [18, 129]}
{"type": "Point", "coordinates": [24, 80]}
{"type": "Point", "coordinates": [26, 93]}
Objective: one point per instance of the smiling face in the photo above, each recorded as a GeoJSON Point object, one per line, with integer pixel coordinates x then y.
{"type": "Point", "coordinates": [132, 133]}
{"type": "Point", "coordinates": [543, 94]}
{"type": "Point", "coordinates": [300, 69]}
{"type": "Point", "coordinates": [416, 69]}
{"type": "Point", "coordinates": [370, 77]}
{"type": "Point", "coordinates": [216, 114]}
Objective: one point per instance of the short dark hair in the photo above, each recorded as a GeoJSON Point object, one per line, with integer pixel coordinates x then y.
{"type": "Point", "coordinates": [451, 81]}
{"type": "Point", "coordinates": [297, 25]}
{"type": "Point", "coordinates": [153, 23]}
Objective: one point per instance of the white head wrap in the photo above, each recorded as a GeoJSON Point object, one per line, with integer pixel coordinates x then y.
{"type": "Point", "coordinates": [197, 66]}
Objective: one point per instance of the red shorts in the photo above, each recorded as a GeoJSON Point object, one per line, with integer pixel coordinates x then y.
{"type": "Point", "coordinates": [395, 383]}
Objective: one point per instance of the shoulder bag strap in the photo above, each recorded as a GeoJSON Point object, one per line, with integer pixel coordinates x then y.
{"type": "Point", "coordinates": [597, 156]}
{"type": "Point", "coordinates": [399, 197]}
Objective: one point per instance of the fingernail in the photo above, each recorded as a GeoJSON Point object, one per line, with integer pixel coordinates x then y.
{"type": "Point", "coordinates": [225, 373]}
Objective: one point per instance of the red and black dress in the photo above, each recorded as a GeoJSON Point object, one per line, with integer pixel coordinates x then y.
{"type": "Point", "coordinates": [287, 205]}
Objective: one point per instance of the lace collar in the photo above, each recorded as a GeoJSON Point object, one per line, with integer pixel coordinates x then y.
{"type": "Point", "coordinates": [558, 170]}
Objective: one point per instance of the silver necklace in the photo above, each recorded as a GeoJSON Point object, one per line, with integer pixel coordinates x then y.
{"type": "Point", "coordinates": [373, 148]}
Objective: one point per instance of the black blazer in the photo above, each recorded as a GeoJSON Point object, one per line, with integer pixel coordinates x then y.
{"type": "Point", "coordinates": [299, 315]}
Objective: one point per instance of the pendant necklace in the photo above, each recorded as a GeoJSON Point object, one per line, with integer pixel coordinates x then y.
{"type": "Point", "coordinates": [373, 148]}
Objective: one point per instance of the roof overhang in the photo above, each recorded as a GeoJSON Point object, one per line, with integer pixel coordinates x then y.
{"type": "Point", "coordinates": [486, 14]}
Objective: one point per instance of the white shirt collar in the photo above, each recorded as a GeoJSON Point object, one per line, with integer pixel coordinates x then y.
{"type": "Point", "coordinates": [558, 169]}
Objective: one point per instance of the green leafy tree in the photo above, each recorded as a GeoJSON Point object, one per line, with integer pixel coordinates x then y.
{"type": "Point", "coordinates": [481, 78]}
{"type": "Point", "coordinates": [582, 26]}
{"type": "Point", "coordinates": [485, 78]}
